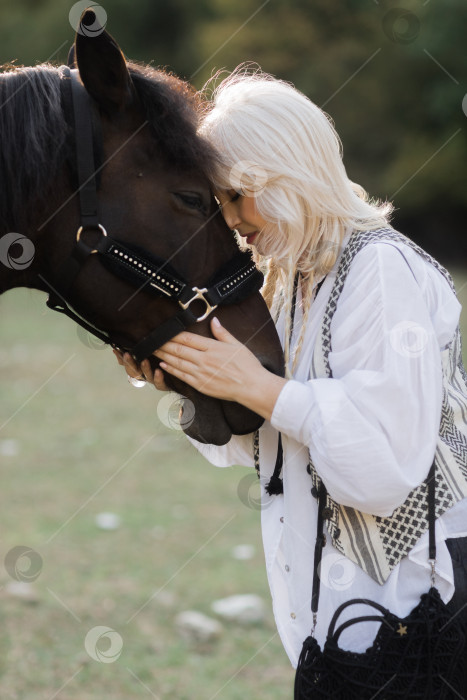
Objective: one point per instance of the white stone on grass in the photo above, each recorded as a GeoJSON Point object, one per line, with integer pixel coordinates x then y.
{"type": "Point", "coordinates": [23, 590]}
{"type": "Point", "coordinates": [9, 448]}
{"type": "Point", "coordinates": [197, 627]}
{"type": "Point", "coordinates": [108, 521]}
{"type": "Point", "coordinates": [244, 609]}
{"type": "Point", "coordinates": [243, 552]}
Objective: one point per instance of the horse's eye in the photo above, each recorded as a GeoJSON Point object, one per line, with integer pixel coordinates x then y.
{"type": "Point", "coordinates": [193, 200]}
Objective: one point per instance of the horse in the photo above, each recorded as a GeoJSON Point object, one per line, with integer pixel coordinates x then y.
{"type": "Point", "coordinates": [106, 206]}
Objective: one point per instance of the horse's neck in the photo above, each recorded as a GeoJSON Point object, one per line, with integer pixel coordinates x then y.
{"type": "Point", "coordinates": [39, 244]}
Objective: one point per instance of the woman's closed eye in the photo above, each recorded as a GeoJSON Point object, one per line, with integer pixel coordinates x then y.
{"type": "Point", "coordinates": [233, 197]}
{"type": "Point", "coordinates": [227, 197]}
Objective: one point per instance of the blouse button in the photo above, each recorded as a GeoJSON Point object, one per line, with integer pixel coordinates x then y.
{"type": "Point", "coordinates": [287, 567]}
{"type": "Point", "coordinates": [282, 520]}
{"type": "Point", "coordinates": [293, 616]}
{"type": "Point", "coordinates": [327, 513]}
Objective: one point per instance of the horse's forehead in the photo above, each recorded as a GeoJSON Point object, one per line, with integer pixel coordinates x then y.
{"type": "Point", "coordinates": [143, 151]}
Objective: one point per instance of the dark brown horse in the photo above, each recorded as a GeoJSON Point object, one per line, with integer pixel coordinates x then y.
{"type": "Point", "coordinates": [153, 197]}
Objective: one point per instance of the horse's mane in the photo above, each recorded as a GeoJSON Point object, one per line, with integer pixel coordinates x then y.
{"type": "Point", "coordinates": [36, 141]}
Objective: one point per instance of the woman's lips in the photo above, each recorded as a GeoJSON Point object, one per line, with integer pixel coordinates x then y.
{"type": "Point", "coordinates": [250, 238]}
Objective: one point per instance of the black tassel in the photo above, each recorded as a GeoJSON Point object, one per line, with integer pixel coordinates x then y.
{"type": "Point", "coordinates": [275, 485]}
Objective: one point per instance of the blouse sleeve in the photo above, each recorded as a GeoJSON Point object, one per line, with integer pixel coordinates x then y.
{"type": "Point", "coordinates": [239, 450]}
{"type": "Point", "coordinates": [372, 428]}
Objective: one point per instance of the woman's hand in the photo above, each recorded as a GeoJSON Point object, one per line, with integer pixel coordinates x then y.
{"type": "Point", "coordinates": [143, 371]}
{"type": "Point", "coordinates": [221, 367]}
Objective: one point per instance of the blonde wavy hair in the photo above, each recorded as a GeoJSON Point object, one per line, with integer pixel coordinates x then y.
{"type": "Point", "coordinates": [275, 144]}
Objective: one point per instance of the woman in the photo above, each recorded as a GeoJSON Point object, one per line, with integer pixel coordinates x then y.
{"type": "Point", "coordinates": [369, 324]}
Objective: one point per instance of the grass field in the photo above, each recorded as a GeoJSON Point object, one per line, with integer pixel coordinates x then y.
{"type": "Point", "coordinates": [76, 440]}
{"type": "Point", "coordinates": [85, 442]}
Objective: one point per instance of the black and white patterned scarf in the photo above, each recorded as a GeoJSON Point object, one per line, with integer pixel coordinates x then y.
{"type": "Point", "coordinates": [374, 543]}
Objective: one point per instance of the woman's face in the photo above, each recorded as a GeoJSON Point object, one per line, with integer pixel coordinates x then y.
{"type": "Point", "coordinates": [240, 213]}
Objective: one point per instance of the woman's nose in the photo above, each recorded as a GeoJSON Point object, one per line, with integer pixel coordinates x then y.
{"type": "Point", "coordinates": [230, 214]}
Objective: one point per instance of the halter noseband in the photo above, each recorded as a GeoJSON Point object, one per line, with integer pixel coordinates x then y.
{"type": "Point", "coordinates": [236, 280]}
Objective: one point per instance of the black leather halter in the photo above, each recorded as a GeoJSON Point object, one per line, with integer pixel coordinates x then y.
{"type": "Point", "coordinates": [237, 280]}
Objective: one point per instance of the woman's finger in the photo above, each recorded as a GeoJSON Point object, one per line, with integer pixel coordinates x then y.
{"type": "Point", "coordinates": [159, 382]}
{"type": "Point", "coordinates": [147, 371]}
{"type": "Point", "coordinates": [119, 356]}
{"type": "Point", "coordinates": [190, 340]}
{"type": "Point", "coordinates": [155, 377]}
{"type": "Point", "coordinates": [221, 333]}
{"type": "Point", "coordinates": [132, 369]}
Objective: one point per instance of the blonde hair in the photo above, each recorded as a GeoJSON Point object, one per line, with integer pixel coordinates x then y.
{"type": "Point", "coordinates": [275, 144]}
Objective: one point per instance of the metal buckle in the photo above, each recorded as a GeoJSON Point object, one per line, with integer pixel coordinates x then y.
{"type": "Point", "coordinates": [81, 229]}
{"type": "Point", "coordinates": [199, 295]}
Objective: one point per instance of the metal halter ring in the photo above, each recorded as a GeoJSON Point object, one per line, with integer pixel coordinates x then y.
{"type": "Point", "coordinates": [81, 229]}
{"type": "Point", "coordinates": [199, 295]}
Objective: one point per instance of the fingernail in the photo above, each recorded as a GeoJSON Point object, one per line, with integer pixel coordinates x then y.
{"type": "Point", "coordinates": [216, 322]}
{"type": "Point", "coordinates": [162, 364]}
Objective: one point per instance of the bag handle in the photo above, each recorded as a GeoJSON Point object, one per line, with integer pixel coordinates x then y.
{"type": "Point", "coordinates": [355, 601]}
{"type": "Point", "coordinates": [363, 618]}
{"type": "Point", "coordinates": [321, 541]}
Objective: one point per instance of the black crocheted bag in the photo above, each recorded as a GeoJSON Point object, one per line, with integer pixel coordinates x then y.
{"type": "Point", "coordinates": [421, 656]}
{"type": "Point", "coordinates": [415, 657]}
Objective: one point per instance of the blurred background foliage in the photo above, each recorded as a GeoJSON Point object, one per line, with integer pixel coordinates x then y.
{"type": "Point", "coordinates": [390, 73]}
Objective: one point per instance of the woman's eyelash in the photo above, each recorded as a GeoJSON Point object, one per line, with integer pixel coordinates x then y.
{"type": "Point", "coordinates": [230, 198]}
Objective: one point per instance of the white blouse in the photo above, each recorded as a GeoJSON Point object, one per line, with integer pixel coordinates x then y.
{"type": "Point", "coordinates": [371, 430]}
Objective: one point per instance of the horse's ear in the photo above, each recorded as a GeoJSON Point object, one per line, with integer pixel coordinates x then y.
{"type": "Point", "coordinates": [102, 65]}
{"type": "Point", "coordinates": [71, 58]}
